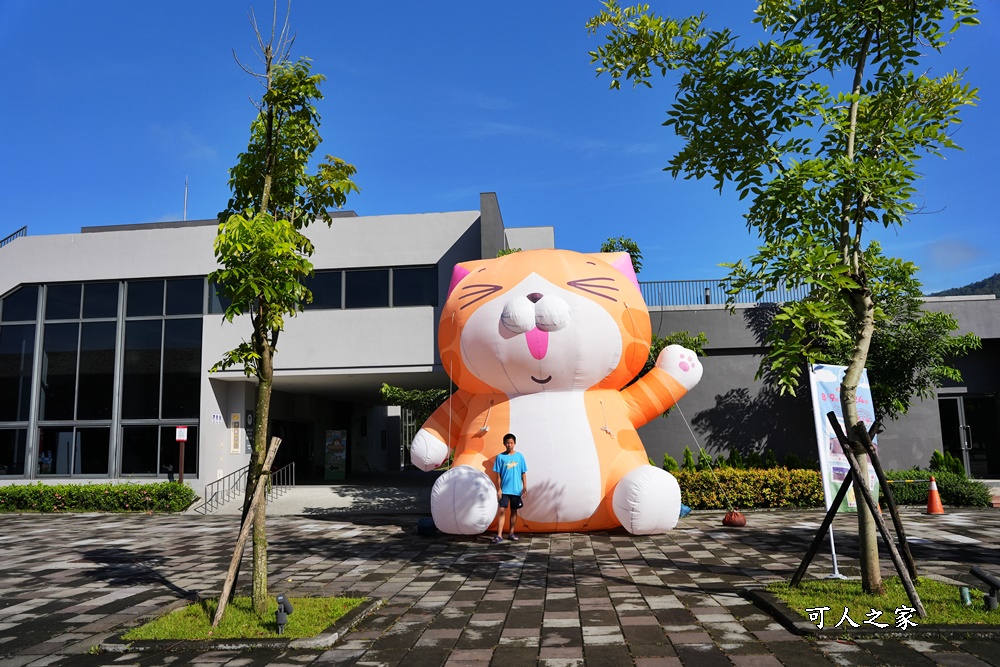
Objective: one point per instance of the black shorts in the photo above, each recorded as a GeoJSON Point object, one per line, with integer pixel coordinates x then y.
{"type": "Point", "coordinates": [514, 501]}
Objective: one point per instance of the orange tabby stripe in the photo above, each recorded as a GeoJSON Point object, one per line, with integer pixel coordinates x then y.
{"type": "Point", "coordinates": [457, 406]}
{"type": "Point", "coordinates": [651, 396]}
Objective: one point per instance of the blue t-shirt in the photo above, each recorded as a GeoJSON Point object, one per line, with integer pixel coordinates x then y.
{"type": "Point", "coordinates": [510, 467]}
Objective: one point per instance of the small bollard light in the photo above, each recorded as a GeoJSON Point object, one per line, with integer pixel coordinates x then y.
{"type": "Point", "coordinates": [281, 616]}
{"type": "Point", "coordinates": [963, 592]}
{"type": "Point", "coordinates": [990, 599]}
{"type": "Point", "coordinates": [170, 472]}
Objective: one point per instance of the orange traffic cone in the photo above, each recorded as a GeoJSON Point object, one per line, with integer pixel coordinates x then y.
{"type": "Point", "coordinates": [934, 505]}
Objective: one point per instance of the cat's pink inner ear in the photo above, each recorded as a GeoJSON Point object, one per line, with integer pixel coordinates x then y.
{"type": "Point", "coordinates": [456, 277]}
{"type": "Point", "coordinates": [623, 262]}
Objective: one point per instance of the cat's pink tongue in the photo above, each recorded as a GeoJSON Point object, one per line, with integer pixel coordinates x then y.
{"type": "Point", "coordinates": [538, 342]}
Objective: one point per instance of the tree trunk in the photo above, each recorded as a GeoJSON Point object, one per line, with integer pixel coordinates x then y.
{"type": "Point", "coordinates": [259, 587]}
{"type": "Point", "coordinates": [864, 310]}
{"type": "Point", "coordinates": [256, 498]}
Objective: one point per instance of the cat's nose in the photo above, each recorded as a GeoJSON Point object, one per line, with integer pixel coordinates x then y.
{"type": "Point", "coordinates": [534, 297]}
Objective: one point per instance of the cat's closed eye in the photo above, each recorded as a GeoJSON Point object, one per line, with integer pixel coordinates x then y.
{"type": "Point", "coordinates": [481, 291]}
{"type": "Point", "coordinates": [592, 285]}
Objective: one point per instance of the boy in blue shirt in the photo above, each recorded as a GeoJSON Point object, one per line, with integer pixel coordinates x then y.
{"type": "Point", "coordinates": [512, 483]}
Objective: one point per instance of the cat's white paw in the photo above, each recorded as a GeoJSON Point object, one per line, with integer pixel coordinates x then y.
{"type": "Point", "coordinates": [427, 452]}
{"type": "Point", "coordinates": [463, 501]}
{"type": "Point", "coordinates": [681, 364]}
{"type": "Point", "coordinates": [647, 501]}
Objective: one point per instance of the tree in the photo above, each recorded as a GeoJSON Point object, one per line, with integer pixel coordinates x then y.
{"type": "Point", "coordinates": [624, 244]}
{"type": "Point", "coordinates": [911, 349]}
{"type": "Point", "coordinates": [262, 252]}
{"type": "Point", "coordinates": [422, 402]}
{"type": "Point", "coordinates": [820, 125]}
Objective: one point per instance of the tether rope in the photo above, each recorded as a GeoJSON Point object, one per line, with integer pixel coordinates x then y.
{"type": "Point", "coordinates": [701, 449]}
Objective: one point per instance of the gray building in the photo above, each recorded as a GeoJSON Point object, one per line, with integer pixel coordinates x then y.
{"type": "Point", "coordinates": [730, 409]}
{"type": "Point", "coordinates": [107, 338]}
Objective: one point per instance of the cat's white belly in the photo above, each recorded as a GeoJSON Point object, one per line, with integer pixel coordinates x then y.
{"type": "Point", "coordinates": [564, 477]}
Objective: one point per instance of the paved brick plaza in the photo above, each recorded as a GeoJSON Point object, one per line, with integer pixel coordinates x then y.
{"type": "Point", "coordinates": [68, 581]}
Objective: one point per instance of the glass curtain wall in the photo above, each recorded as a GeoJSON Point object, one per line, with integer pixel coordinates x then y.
{"type": "Point", "coordinates": [77, 379]}
{"type": "Point", "coordinates": [18, 316]}
{"type": "Point", "coordinates": [161, 375]}
{"type": "Point", "coordinates": [118, 368]}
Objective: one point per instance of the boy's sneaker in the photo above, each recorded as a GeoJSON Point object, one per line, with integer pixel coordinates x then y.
{"type": "Point", "coordinates": [497, 540]}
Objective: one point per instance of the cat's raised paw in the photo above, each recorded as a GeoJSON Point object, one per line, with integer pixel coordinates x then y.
{"type": "Point", "coordinates": [681, 364]}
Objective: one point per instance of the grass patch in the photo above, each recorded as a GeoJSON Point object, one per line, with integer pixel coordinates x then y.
{"type": "Point", "coordinates": [941, 602]}
{"type": "Point", "coordinates": [311, 616]}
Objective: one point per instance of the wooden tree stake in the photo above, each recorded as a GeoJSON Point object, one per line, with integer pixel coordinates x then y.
{"type": "Point", "coordinates": [258, 497]}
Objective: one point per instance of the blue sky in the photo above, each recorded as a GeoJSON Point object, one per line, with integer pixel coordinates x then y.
{"type": "Point", "coordinates": [109, 106]}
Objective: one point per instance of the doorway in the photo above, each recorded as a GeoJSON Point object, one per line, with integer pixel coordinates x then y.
{"type": "Point", "coordinates": [298, 447]}
{"type": "Point", "coordinates": [970, 431]}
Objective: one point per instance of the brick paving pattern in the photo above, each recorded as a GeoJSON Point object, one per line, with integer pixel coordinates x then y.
{"type": "Point", "coordinates": [68, 582]}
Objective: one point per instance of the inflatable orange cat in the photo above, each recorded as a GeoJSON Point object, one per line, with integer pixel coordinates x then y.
{"type": "Point", "coordinates": [540, 343]}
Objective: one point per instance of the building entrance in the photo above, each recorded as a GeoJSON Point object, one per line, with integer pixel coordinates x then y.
{"type": "Point", "coordinates": [970, 431]}
{"type": "Point", "coordinates": [298, 446]}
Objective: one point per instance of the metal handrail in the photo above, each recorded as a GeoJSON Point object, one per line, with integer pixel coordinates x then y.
{"type": "Point", "coordinates": [660, 293]}
{"type": "Point", "coordinates": [23, 231]}
{"type": "Point", "coordinates": [222, 490]}
{"type": "Point", "coordinates": [282, 480]}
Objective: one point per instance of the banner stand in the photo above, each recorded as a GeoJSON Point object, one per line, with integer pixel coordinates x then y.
{"type": "Point", "coordinates": [833, 554]}
{"type": "Point", "coordinates": [903, 569]}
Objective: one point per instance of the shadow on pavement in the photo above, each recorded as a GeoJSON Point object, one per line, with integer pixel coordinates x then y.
{"type": "Point", "coordinates": [120, 567]}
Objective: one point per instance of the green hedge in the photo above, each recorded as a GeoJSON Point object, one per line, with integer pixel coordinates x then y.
{"type": "Point", "coordinates": [955, 489]}
{"type": "Point", "coordinates": [107, 497]}
{"type": "Point", "coordinates": [746, 489]}
{"type": "Point", "coordinates": [780, 487]}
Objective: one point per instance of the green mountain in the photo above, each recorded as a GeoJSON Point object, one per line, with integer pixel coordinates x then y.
{"type": "Point", "coordinates": [989, 286]}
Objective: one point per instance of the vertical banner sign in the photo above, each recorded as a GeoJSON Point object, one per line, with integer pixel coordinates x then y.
{"type": "Point", "coordinates": [335, 465]}
{"type": "Point", "coordinates": [234, 426]}
{"type": "Point", "coordinates": [824, 380]}
{"type": "Point", "coordinates": [181, 435]}
{"type": "Point", "coordinates": [251, 420]}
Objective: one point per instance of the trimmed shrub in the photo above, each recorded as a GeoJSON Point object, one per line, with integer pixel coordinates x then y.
{"type": "Point", "coordinates": [946, 462]}
{"type": "Point", "coordinates": [770, 459]}
{"type": "Point", "coordinates": [736, 460]}
{"type": "Point", "coordinates": [956, 489]}
{"type": "Point", "coordinates": [688, 460]}
{"type": "Point", "coordinates": [704, 460]}
{"type": "Point", "coordinates": [670, 463]}
{"type": "Point", "coordinates": [746, 489]}
{"type": "Point", "coordinates": [106, 497]}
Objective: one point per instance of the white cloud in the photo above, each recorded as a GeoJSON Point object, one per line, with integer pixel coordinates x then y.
{"type": "Point", "coordinates": [952, 254]}
{"type": "Point", "coordinates": [178, 140]}
{"type": "Point", "coordinates": [584, 145]}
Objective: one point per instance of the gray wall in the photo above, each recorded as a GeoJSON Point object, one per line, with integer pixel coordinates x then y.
{"type": "Point", "coordinates": [729, 408]}
{"type": "Point", "coordinates": [330, 362]}
{"type": "Point", "coordinates": [530, 238]}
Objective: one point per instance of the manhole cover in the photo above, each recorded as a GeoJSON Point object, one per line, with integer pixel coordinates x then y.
{"type": "Point", "coordinates": [490, 558]}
